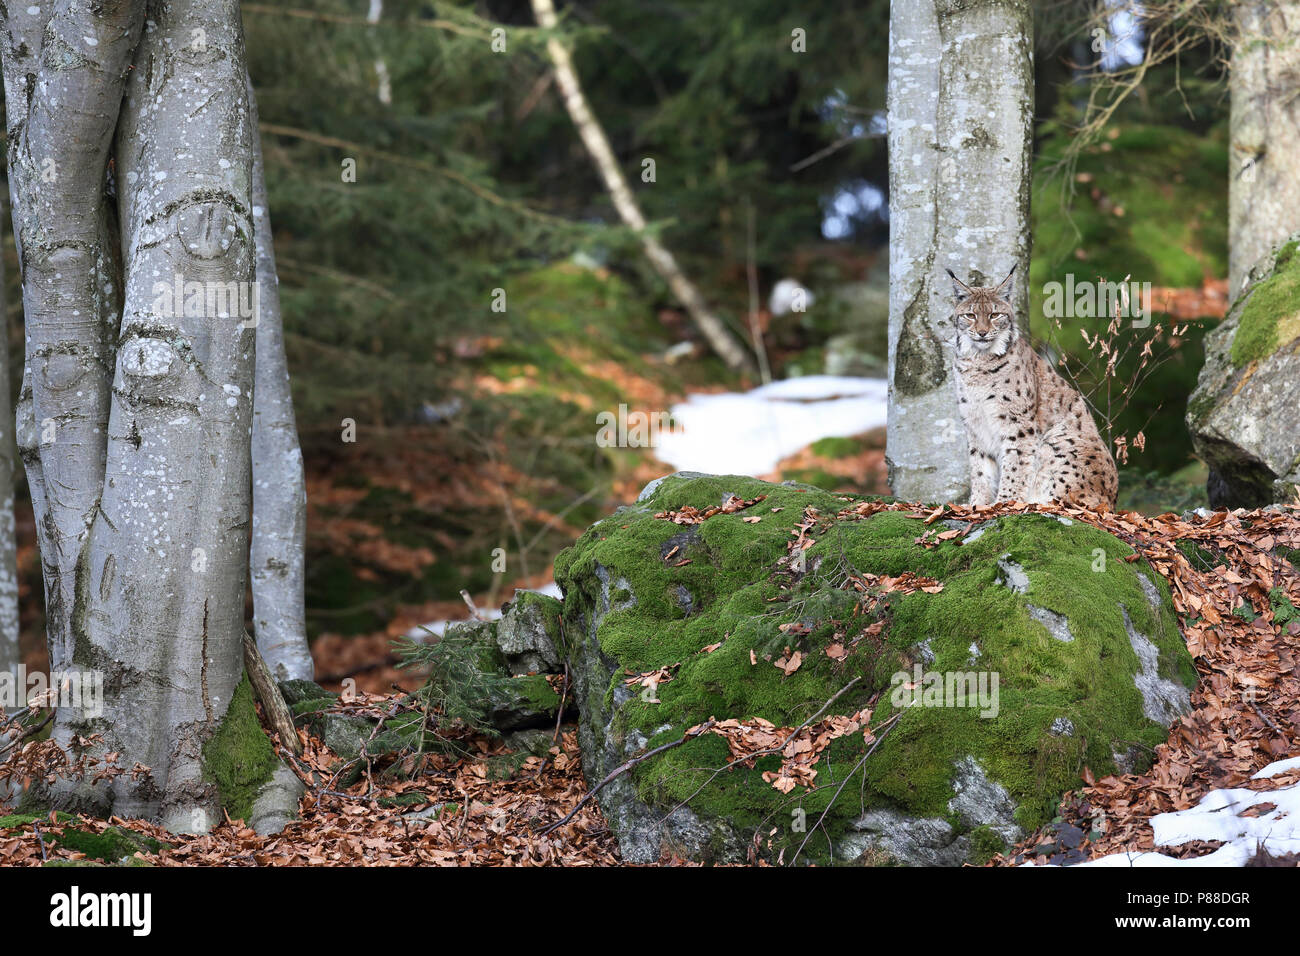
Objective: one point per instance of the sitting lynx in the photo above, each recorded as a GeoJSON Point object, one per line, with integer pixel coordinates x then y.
{"type": "Point", "coordinates": [1030, 434]}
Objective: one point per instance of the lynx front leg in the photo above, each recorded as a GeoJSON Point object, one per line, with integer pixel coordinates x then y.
{"type": "Point", "coordinates": [1013, 473]}
{"type": "Point", "coordinates": [983, 478]}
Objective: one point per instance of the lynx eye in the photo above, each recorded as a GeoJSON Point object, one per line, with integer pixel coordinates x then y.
{"type": "Point", "coordinates": [967, 317]}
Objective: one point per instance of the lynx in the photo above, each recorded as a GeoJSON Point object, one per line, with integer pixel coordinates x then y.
{"type": "Point", "coordinates": [1031, 436]}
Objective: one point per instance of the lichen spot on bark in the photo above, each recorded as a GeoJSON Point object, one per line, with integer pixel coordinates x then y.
{"type": "Point", "coordinates": [145, 358]}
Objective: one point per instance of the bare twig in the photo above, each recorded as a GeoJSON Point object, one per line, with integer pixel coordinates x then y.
{"type": "Point", "coordinates": [889, 725]}
{"type": "Point", "coordinates": [628, 765]}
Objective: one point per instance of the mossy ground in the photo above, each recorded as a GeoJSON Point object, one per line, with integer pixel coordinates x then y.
{"type": "Point", "coordinates": [239, 758]}
{"type": "Point", "coordinates": [1271, 316]}
{"type": "Point", "coordinates": [111, 846]}
{"type": "Point", "coordinates": [737, 598]}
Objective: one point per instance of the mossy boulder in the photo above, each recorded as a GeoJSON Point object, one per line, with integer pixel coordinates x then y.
{"type": "Point", "coordinates": [1245, 413]}
{"type": "Point", "coordinates": [1082, 642]}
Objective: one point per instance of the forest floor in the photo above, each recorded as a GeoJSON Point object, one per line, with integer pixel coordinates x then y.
{"type": "Point", "coordinates": [1236, 590]}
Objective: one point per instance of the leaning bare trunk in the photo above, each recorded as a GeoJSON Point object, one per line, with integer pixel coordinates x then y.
{"type": "Point", "coordinates": [960, 102]}
{"type": "Point", "coordinates": [279, 494]}
{"type": "Point", "coordinates": [10, 654]}
{"type": "Point", "coordinates": [593, 138]}
{"type": "Point", "coordinates": [1264, 179]}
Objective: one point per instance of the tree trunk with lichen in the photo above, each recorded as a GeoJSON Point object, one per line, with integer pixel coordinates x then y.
{"type": "Point", "coordinates": [279, 487]}
{"type": "Point", "coordinates": [1264, 178]}
{"type": "Point", "coordinates": [960, 103]}
{"type": "Point", "coordinates": [131, 174]}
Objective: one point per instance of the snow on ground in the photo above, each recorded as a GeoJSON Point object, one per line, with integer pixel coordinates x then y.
{"type": "Point", "coordinates": [1218, 816]}
{"type": "Point", "coordinates": [747, 433]}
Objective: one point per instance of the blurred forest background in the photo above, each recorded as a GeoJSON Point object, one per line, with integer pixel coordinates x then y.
{"type": "Point", "coordinates": [475, 429]}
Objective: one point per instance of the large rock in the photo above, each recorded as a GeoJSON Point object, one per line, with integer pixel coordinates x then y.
{"type": "Point", "coordinates": [1090, 682]}
{"type": "Point", "coordinates": [1245, 413]}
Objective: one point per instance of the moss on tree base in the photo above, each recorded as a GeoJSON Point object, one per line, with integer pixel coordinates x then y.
{"type": "Point", "coordinates": [239, 759]}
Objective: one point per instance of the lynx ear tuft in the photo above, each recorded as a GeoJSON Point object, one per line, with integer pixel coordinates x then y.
{"type": "Point", "coordinates": [960, 290]}
{"type": "Point", "coordinates": [1003, 289]}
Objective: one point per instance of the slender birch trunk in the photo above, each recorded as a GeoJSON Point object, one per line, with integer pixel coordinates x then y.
{"type": "Point", "coordinates": [960, 102]}
{"type": "Point", "coordinates": [136, 411]}
{"type": "Point", "coordinates": [1264, 179]}
{"type": "Point", "coordinates": [602, 155]}
{"type": "Point", "coordinates": [279, 488]}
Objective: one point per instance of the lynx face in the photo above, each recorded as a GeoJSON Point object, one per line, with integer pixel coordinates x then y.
{"type": "Point", "coordinates": [984, 316]}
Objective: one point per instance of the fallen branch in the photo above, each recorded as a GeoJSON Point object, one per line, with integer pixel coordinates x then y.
{"type": "Point", "coordinates": [278, 717]}
{"type": "Point", "coordinates": [628, 765]}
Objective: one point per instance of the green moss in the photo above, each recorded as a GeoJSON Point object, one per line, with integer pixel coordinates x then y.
{"type": "Point", "coordinates": [239, 758]}
{"type": "Point", "coordinates": [1284, 612]}
{"type": "Point", "coordinates": [1200, 557]}
{"type": "Point", "coordinates": [27, 819]}
{"type": "Point", "coordinates": [536, 691]}
{"type": "Point", "coordinates": [1271, 315]}
{"type": "Point", "coordinates": [985, 844]}
{"type": "Point", "coordinates": [312, 706]}
{"type": "Point", "coordinates": [111, 846]}
{"type": "Point", "coordinates": [836, 447]}
{"type": "Point", "coordinates": [739, 597]}
{"type": "Point", "coordinates": [297, 691]}
{"type": "Point", "coordinates": [409, 799]}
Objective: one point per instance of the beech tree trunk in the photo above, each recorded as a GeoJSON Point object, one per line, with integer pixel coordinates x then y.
{"type": "Point", "coordinates": [136, 409]}
{"type": "Point", "coordinates": [279, 487]}
{"type": "Point", "coordinates": [602, 155]}
{"type": "Point", "coordinates": [1264, 178]}
{"type": "Point", "coordinates": [960, 102]}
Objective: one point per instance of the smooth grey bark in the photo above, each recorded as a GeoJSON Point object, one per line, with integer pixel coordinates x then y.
{"type": "Point", "coordinates": [1264, 179]}
{"type": "Point", "coordinates": [593, 137]}
{"type": "Point", "coordinates": [10, 654]}
{"type": "Point", "coordinates": [142, 484]}
{"type": "Point", "coordinates": [279, 535]}
{"type": "Point", "coordinates": [66, 65]}
{"type": "Point", "coordinates": [960, 107]}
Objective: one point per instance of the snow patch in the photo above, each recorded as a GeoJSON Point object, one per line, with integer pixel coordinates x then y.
{"type": "Point", "coordinates": [748, 433]}
{"type": "Point", "coordinates": [1219, 817]}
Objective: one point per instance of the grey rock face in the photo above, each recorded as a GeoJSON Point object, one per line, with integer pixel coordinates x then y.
{"type": "Point", "coordinates": [932, 841]}
{"type": "Point", "coordinates": [1162, 700]}
{"type": "Point", "coordinates": [916, 841]}
{"type": "Point", "coordinates": [1245, 420]}
{"type": "Point", "coordinates": [1056, 624]}
{"type": "Point", "coordinates": [528, 633]}
{"type": "Point", "coordinates": [1062, 727]}
{"type": "Point", "coordinates": [979, 801]}
{"type": "Point", "coordinates": [1013, 575]}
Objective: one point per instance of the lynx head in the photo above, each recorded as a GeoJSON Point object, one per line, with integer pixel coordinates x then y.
{"type": "Point", "coordinates": [985, 316]}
